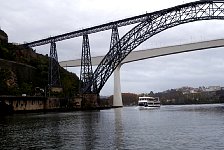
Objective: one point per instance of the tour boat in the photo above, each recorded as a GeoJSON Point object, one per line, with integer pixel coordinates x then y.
{"type": "Point", "coordinates": [148, 102]}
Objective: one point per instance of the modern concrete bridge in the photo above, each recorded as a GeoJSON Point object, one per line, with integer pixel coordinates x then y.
{"type": "Point", "coordinates": [146, 54]}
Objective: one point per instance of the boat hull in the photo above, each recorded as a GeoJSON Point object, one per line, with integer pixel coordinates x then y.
{"type": "Point", "coordinates": [148, 107]}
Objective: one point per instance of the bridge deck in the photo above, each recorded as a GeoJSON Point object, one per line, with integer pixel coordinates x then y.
{"type": "Point", "coordinates": [155, 52]}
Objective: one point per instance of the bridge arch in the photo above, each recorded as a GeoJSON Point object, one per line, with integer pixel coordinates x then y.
{"type": "Point", "coordinates": [153, 24]}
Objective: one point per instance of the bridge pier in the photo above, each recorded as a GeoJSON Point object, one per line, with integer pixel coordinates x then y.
{"type": "Point", "coordinates": [117, 99]}
{"type": "Point", "coordinates": [90, 101]}
{"type": "Point", "coordinates": [53, 70]}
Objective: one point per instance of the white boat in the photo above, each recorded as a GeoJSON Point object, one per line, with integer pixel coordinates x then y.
{"type": "Point", "coordinates": [148, 102]}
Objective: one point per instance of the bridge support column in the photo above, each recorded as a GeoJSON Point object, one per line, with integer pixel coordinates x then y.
{"type": "Point", "coordinates": [90, 101]}
{"type": "Point", "coordinates": [117, 99]}
{"type": "Point", "coordinates": [86, 72]}
{"type": "Point", "coordinates": [53, 71]}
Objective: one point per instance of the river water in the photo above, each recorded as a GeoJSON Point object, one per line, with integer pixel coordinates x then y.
{"type": "Point", "coordinates": [197, 127]}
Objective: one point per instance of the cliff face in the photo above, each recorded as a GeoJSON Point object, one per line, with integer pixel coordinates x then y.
{"type": "Point", "coordinates": [22, 70]}
{"type": "Point", "coordinates": [3, 37]}
{"type": "Point", "coordinates": [18, 72]}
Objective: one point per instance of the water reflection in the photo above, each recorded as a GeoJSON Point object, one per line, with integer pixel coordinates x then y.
{"type": "Point", "coordinates": [119, 132]}
{"type": "Point", "coordinates": [170, 127]}
{"type": "Point", "coordinates": [204, 108]}
{"type": "Point", "coordinates": [54, 131]}
{"type": "Point", "coordinates": [89, 124]}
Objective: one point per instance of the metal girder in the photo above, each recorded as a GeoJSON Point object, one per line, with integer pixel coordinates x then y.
{"type": "Point", "coordinates": [53, 73]}
{"type": "Point", "coordinates": [123, 22]}
{"type": "Point", "coordinates": [154, 24]}
{"type": "Point", "coordinates": [86, 72]}
{"type": "Point", "coordinates": [115, 38]}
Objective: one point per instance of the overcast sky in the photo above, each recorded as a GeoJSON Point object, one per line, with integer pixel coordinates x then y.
{"type": "Point", "coordinates": [29, 20]}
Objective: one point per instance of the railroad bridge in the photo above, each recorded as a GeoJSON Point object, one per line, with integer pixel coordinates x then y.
{"type": "Point", "coordinates": [146, 26]}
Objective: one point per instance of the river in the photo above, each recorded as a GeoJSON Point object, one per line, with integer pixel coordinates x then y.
{"type": "Point", "coordinates": [185, 127]}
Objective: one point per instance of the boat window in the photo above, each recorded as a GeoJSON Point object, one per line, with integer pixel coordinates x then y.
{"type": "Point", "coordinates": [141, 104]}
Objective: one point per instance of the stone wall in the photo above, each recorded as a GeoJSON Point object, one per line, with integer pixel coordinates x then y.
{"type": "Point", "coordinates": [90, 101]}
{"type": "Point", "coordinates": [53, 103]}
{"type": "Point", "coordinates": [29, 104]}
{"type": "Point", "coordinates": [25, 103]}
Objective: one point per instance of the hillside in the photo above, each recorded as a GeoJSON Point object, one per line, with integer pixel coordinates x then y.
{"type": "Point", "coordinates": [22, 70]}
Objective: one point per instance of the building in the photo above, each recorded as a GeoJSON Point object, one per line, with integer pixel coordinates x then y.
{"type": "Point", "coordinates": [213, 88]}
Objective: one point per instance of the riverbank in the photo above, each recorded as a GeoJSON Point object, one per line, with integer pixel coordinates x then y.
{"type": "Point", "coordinates": [28, 104]}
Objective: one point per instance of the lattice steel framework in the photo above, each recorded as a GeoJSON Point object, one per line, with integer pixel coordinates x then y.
{"type": "Point", "coordinates": [86, 73]}
{"type": "Point", "coordinates": [153, 24]}
{"type": "Point", "coordinates": [213, 6]}
{"type": "Point", "coordinates": [113, 44]}
{"type": "Point", "coordinates": [149, 24]}
{"type": "Point", "coordinates": [53, 73]}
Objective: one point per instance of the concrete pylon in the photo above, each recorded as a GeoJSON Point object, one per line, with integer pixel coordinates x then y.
{"type": "Point", "coordinates": [117, 99]}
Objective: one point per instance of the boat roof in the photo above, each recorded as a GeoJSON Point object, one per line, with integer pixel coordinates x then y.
{"type": "Point", "coordinates": [147, 97]}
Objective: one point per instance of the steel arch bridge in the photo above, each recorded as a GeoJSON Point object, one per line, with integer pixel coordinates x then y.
{"type": "Point", "coordinates": [147, 26]}
{"type": "Point", "coordinates": [153, 24]}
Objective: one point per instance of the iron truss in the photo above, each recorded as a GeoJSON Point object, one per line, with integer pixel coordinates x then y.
{"type": "Point", "coordinates": [53, 73]}
{"type": "Point", "coordinates": [86, 72]}
{"type": "Point", "coordinates": [148, 24]}
{"type": "Point", "coordinates": [123, 22]}
{"type": "Point", "coordinates": [153, 24]}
